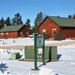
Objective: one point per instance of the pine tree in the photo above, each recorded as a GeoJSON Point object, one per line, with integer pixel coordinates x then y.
{"type": "Point", "coordinates": [7, 22]}
{"type": "Point", "coordinates": [69, 16]}
{"type": "Point", "coordinates": [2, 23]}
{"type": "Point", "coordinates": [27, 23]}
{"type": "Point", "coordinates": [17, 20]}
{"type": "Point", "coordinates": [73, 16]}
{"type": "Point", "coordinates": [38, 20]}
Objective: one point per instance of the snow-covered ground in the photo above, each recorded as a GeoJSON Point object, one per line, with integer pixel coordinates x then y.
{"type": "Point", "coordinates": [65, 65]}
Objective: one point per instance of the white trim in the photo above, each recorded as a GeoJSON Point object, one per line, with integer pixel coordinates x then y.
{"type": "Point", "coordinates": [54, 31]}
{"type": "Point", "coordinates": [6, 33]}
{"type": "Point", "coordinates": [21, 33]}
{"type": "Point", "coordinates": [2, 34]}
{"type": "Point", "coordinates": [44, 30]}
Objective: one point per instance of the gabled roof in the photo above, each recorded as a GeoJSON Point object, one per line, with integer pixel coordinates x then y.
{"type": "Point", "coordinates": [63, 22]}
{"type": "Point", "coordinates": [11, 28]}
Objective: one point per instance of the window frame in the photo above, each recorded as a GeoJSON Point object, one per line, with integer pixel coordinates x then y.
{"type": "Point", "coordinates": [54, 31]}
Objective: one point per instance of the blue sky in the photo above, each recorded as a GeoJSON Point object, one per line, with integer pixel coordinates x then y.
{"type": "Point", "coordinates": [30, 8]}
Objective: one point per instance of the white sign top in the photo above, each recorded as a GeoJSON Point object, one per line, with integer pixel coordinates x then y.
{"type": "Point", "coordinates": [40, 40]}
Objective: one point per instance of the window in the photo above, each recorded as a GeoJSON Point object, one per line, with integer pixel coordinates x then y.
{"type": "Point", "coordinates": [53, 31]}
{"type": "Point", "coordinates": [7, 33]}
{"type": "Point", "coordinates": [26, 33]}
{"type": "Point", "coordinates": [21, 33]}
{"type": "Point", "coordinates": [2, 34]}
{"type": "Point", "coordinates": [44, 30]}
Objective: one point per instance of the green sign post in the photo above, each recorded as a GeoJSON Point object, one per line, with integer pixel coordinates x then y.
{"type": "Point", "coordinates": [35, 52]}
{"type": "Point", "coordinates": [43, 48]}
{"type": "Point", "coordinates": [39, 42]}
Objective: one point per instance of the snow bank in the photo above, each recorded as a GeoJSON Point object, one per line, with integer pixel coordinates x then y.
{"type": "Point", "coordinates": [5, 74]}
{"type": "Point", "coordinates": [45, 71]}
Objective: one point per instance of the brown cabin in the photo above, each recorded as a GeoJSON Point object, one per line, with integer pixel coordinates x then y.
{"type": "Point", "coordinates": [51, 25]}
{"type": "Point", "coordinates": [15, 31]}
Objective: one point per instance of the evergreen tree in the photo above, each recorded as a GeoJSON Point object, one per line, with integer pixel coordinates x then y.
{"type": "Point", "coordinates": [38, 20]}
{"type": "Point", "coordinates": [58, 16]}
{"type": "Point", "coordinates": [73, 16]}
{"type": "Point", "coordinates": [28, 23]}
{"type": "Point", "coordinates": [2, 23]}
{"type": "Point", "coordinates": [17, 20]}
{"type": "Point", "coordinates": [69, 16]}
{"type": "Point", "coordinates": [33, 29]}
{"type": "Point", "coordinates": [7, 22]}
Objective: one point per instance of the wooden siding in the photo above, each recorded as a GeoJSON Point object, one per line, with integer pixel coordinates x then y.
{"type": "Point", "coordinates": [49, 25]}
{"type": "Point", "coordinates": [24, 30]}
{"type": "Point", "coordinates": [69, 32]}
{"type": "Point", "coordinates": [9, 35]}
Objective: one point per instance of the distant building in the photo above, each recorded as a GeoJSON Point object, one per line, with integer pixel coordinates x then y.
{"type": "Point", "coordinates": [15, 31]}
{"type": "Point", "coordinates": [51, 25]}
